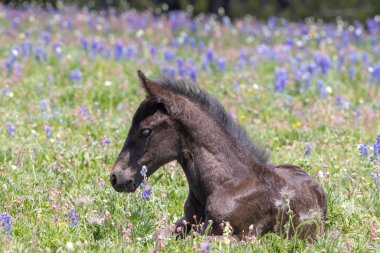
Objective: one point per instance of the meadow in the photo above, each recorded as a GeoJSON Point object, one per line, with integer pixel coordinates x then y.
{"type": "Point", "coordinates": [309, 91]}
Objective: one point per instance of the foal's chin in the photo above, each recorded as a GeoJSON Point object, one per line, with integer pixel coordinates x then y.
{"type": "Point", "coordinates": [126, 188]}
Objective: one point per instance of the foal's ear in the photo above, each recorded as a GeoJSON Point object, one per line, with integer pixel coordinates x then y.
{"type": "Point", "coordinates": [160, 94]}
{"type": "Point", "coordinates": [151, 88]}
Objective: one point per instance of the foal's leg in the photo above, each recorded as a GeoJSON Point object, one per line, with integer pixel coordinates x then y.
{"type": "Point", "coordinates": [194, 216]}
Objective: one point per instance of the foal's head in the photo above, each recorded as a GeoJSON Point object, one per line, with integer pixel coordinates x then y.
{"type": "Point", "coordinates": [153, 139]}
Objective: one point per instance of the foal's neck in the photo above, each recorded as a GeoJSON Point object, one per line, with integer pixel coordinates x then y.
{"type": "Point", "coordinates": [211, 158]}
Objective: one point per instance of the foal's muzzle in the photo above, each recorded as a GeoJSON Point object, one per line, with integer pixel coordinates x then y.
{"type": "Point", "coordinates": [122, 184]}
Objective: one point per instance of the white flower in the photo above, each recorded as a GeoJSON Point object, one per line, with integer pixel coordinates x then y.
{"type": "Point", "coordinates": [69, 246]}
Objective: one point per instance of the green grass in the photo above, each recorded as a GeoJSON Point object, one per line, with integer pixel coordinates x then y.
{"type": "Point", "coordinates": [42, 178]}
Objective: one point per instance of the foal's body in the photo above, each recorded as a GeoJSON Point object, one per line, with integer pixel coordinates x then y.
{"type": "Point", "coordinates": [229, 178]}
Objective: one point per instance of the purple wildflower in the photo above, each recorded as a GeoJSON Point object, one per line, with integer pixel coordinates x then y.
{"type": "Point", "coordinates": [280, 79]}
{"type": "Point", "coordinates": [375, 178]}
{"type": "Point", "coordinates": [363, 150]}
{"type": "Point", "coordinates": [323, 62]}
{"type": "Point", "coordinates": [105, 140]}
{"type": "Point", "coordinates": [10, 128]}
{"type": "Point", "coordinates": [74, 216]}
{"type": "Point", "coordinates": [169, 55]}
{"type": "Point", "coordinates": [146, 194]}
{"type": "Point", "coordinates": [210, 55]}
{"type": "Point", "coordinates": [118, 51]}
{"type": "Point", "coordinates": [83, 110]}
{"type": "Point", "coordinates": [204, 247]}
{"type": "Point", "coordinates": [321, 88]}
{"type": "Point", "coordinates": [40, 54]}
{"type": "Point", "coordinates": [47, 131]}
{"type": "Point", "coordinates": [75, 75]}
{"type": "Point", "coordinates": [6, 90]}
{"type": "Point", "coordinates": [6, 223]}
{"type": "Point", "coordinates": [375, 72]}
{"type": "Point", "coordinates": [221, 64]}
{"type": "Point", "coordinates": [307, 150]}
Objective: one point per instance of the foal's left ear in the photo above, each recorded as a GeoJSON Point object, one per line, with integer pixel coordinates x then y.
{"type": "Point", "coordinates": [151, 88]}
{"type": "Point", "coordinates": [159, 93]}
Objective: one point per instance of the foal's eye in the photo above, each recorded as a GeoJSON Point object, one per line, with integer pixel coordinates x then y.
{"type": "Point", "coordinates": [146, 132]}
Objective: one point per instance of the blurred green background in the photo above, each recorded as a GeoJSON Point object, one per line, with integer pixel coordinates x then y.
{"type": "Point", "coordinates": [350, 10]}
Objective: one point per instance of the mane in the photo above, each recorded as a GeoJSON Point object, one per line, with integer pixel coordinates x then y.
{"type": "Point", "coordinates": [207, 102]}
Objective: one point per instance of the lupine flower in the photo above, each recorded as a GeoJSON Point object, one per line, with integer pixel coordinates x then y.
{"type": "Point", "coordinates": [74, 216]}
{"type": "Point", "coordinates": [118, 51]}
{"type": "Point", "coordinates": [210, 55]}
{"type": "Point", "coordinates": [40, 54]}
{"type": "Point", "coordinates": [47, 131]}
{"type": "Point", "coordinates": [280, 79]}
{"type": "Point", "coordinates": [83, 110]}
{"type": "Point", "coordinates": [6, 223]}
{"type": "Point", "coordinates": [169, 55]}
{"type": "Point", "coordinates": [221, 64]}
{"type": "Point", "coordinates": [10, 128]}
{"type": "Point", "coordinates": [145, 195]}
{"type": "Point", "coordinates": [6, 90]}
{"type": "Point", "coordinates": [75, 75]}
{"type": "Point", "coordinates": [375, 178]}
{"type": "Point", "coordinates": [363, 150]}
{"type": "Point", "coordinates": [321, 88]}
{"type": "Point", "coordinates": [307, 150]}
{"type": "Point", "coordinates": [204, 247]}
{"type": "Point", "coordinates": [375, 72]}
{"type": "Point", "coordinates": [323, 62]}
{"type": "Point", "coordinates": [105, 140]}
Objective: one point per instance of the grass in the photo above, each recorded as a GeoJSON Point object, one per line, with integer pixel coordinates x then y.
{"type": "Point", "coordinates": [42, 177]}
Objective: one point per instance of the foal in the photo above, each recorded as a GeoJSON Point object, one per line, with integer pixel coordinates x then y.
{"type": "Point", "coordinates": [229, 177]}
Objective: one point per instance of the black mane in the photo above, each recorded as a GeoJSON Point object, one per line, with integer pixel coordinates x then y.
{"type": "Point", "coordinates": [217, 111]}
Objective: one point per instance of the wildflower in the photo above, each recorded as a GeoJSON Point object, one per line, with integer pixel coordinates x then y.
{"type": "Point", "coordinates": [375, 178]}
{"type": "Point", "coordinates": [10, 128]}
{"type": "Point", "coordinates": [147, 191]}
{"type": "Point", "coordinates": [105, 140]}
{"type": "Point", "coordinates": [375, 72]}
{"type": "Point", "coordinates": [280, 79]}
{"type": "Point", "coordinates": [6, 223]}
{"type": "Point", "coordinates": [363, 150]}
{"type": "Point", "coordinates": [323, 62]}
{"type": "Point", "coordinates": [322, 89]}
{"type": "Point", "coordinates": [307, 150]}
{"type": "Point", "coordinates": [74, 216]}
{"type": "Point", "coordinates": [75, 75]}
{"type": "Point", "coordinates": [221, 64]}
{"type": "Point", "coordinates": [47, 131]}
{"type": "Point", "coordinates": [286, 193]}
{"type": "Point", "coordinates": [118, 51]}
{"type": "Point", "coordinates": [6, 90]}
{"type": "Point", "coordinates": [69, 246]}
{"type": "Point", "coordinates": [83, 110]}
{"type": "Point", "coordinates": [40, 54]}
{"type": "Point", "coordinates": [169, 55]}
{"type": "Point", "coordinates": [204, 247]}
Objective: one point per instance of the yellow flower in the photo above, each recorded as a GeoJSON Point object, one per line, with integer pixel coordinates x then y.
{"type": "Point", "coordinates": [62, 224]}
{"type": "Point", "coordinates": [249, 90]}
{"type": "Point", "coordinates": [297, 124]}
{"type": "Point", "coordinates": [263, 96]}
{"type": "Point", "coordinates": [243, 117]}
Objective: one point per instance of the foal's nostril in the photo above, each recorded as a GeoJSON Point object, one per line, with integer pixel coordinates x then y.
{"type": "Point", "coordinates": [130, 182]}
{"type": "Point", "coordinates": [113, 179]}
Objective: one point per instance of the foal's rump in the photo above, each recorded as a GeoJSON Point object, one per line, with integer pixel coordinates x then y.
{"type": "Point", "coordinates": [307, 198]}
